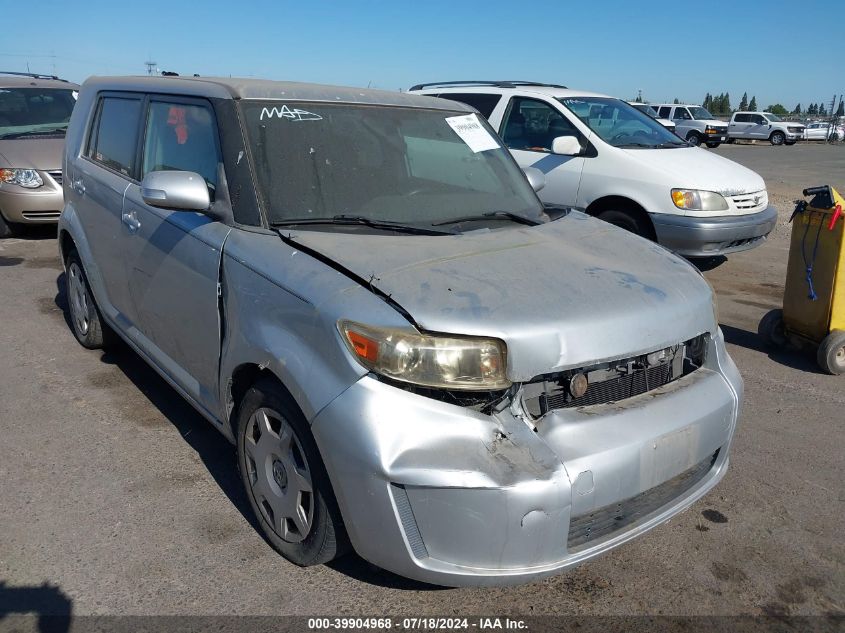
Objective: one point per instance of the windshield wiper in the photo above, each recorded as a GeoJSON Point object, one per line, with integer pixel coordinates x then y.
{"type": "Point", "coordinates": [51, 130]}
{"type": "Point", "coordinates": [492, 215]}
{"type": "Point", "coordinates": [357, 220]}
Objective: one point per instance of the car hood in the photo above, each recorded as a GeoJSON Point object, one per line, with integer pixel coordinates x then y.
{"type": "Point", "coordinates": [32, 153]}
{"type": "Point", "coordinates": [713, 122]}
{"type": "Point", "coordinates": [564, 294]}
{"type": "Point", "coordinates": [697, 168]}
{"type": "Point", "coordinates": [666, 122]}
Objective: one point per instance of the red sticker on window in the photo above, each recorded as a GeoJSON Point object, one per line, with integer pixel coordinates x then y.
{"type": "Point", "coordinates": [176, 118]}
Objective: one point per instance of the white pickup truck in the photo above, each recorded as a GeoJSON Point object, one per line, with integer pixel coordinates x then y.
{"type": "Point", "coordinates": [764, 126]}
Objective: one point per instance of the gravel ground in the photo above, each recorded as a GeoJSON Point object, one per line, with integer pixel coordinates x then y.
{"type": "Point", "coordinates": [120, 498]}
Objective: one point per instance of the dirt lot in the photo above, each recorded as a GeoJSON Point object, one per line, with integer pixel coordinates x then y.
{"type": "Point", "coordinates": [123, 500]}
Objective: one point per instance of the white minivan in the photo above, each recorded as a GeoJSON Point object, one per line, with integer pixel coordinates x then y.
{"type": "Point", "coordinates": [601, 155]}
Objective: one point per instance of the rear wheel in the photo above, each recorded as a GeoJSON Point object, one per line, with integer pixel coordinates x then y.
{"type": "Point", "coordinates": [712, 145]}
{"type": "Point", "coordinates": [694, 139]}
{"type": "Point", "coordinates": [634, 221]}
{"type": "Point", "coordinates": [831, 354]}
{"type": "Point", "coordinates": [285, 479]}
{"type": "Point", "coordinates": [777, 138]}
{"type": "Point", "coordinates": [771, 329]}
{"type": "Point", "coordinates": [85, 319]}
{"type": "Point", "coordinates": [789, 142]}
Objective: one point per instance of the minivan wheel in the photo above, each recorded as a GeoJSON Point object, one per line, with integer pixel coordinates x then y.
{"type": "Point", "coordinates": [628, 221]}
{"type": "Point", "coordinates": [713, 145]}
{"type": "Point", "coordinates": [693, 139]}
{"type": "Point", "coordinates": [85, 319]}
{"type": "Point", "coordinates": [777, 138]}
{"type": "Point", "coordinates": [285, 479]}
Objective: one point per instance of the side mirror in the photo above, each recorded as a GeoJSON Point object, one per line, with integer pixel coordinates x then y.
{"type": "Point", "coordinates": [536, 178]}
{"type": "Point", "coordinates": [566, 146]}
{"type": "Point", "coordinates": [179, 190]}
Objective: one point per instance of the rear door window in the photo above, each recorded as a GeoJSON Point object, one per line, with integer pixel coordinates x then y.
{"type": "Point", "coordinates": [114, 138]}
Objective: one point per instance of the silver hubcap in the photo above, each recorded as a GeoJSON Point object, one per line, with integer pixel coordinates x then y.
{"type": "Point", "coordinates": [777, 139]}
{"type": "Point", "coordinates": [279, 475]}
{"type": "Point", "coordinates": [78, 298]}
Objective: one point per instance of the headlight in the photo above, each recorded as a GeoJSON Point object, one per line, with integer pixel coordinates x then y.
{"type": "Point", "coordinates": [445, 362]}
{"type": "Point", "coordinates": [28, 178]}
{"type": "Point", "coordinates": [695, 200]}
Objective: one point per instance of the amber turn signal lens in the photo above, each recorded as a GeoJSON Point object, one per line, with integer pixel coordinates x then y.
{"type": "Point", "coordinates": [365, 347]}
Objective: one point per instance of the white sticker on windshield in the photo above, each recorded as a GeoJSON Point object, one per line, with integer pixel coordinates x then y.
{"type": "Point", "coordinates": [292, 114]}
{"type": "Point", "coordinates": [469, 128]}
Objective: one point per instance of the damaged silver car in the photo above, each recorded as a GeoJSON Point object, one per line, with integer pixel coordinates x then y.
{"type": "Point", "coordinates": [361, 290]}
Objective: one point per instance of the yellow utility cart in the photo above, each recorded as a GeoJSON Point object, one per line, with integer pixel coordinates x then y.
{"type": "Point", "coordinates": [814, 298]}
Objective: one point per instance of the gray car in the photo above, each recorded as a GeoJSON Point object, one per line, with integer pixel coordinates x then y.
{"type": "Point", "coordinates": [34, 114]}
{"type": "Point", "coordinates": [362, 292]}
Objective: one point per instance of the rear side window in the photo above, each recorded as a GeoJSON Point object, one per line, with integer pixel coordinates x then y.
{"type": "Point", "coordinates": [742, 118]}
{"type": "Point", "coordinates": [182, 137]}
{"type": "Point", "coordinates": [664, 112]}
{"type": "Point", "coordinates": [114, 138]}
{"type": "Point", "coordinates": [484, 103]}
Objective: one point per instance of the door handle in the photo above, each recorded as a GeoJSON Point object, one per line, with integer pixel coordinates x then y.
{"type": "Point", "coordinates": [130, 219]}
{"type": "Point", "coordinates": [78, 186]}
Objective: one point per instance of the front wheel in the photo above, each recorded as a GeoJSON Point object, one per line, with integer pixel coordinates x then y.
{"type": "Point", "coordinates": [831, 354]}
{"type": "Point", "coordinates": [777, 138]}
{"type": "Point", "coordinates": [633, 222]}
{"type": "Point", "coordinates": [5, 228]}
{"type": "Point", "coordinates": [693, 139]}
{"type": "Point", "coordinates": [285, 479]}
{"type": "Point", "coordinates": [789, 142]}
{"type": "Point", "coordinates": [712, 145]}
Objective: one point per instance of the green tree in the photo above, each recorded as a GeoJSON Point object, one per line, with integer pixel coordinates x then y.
{"type": "Point", "coordinates": [708, 101]}
{"type": "Point", "coordinates": [777, 109]}
{"type": "Point", "coordinates": [840, 111]}
{"type": "Point", "coordinates": [797, 110]}
{"type": "Point", "coordinates": [726, 104]}
{"type": "Point", "coordinates": [822, 110]}
{"type": "Point", "coordinates": [676, 100]}
{"type": "Point", "coordinates": [743, 103]}
{"type": "Point", "coordinates": [753, 105]}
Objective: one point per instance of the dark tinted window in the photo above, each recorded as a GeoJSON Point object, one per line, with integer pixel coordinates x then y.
{"type": "Point", "coordinates": [181, 137]}
{"type": "Point", "coordinates": [742, 118]}
{"type": "Point", "coordinates": [533, 125]}
{"type": "Point", "coordinates": [484, 103]}
{"type": "Point", "coordinates": [664, 112]}
{"type": "Point", "coordinates": [113, 141]}
{"type": "Point", "coordinates": [681, 114]}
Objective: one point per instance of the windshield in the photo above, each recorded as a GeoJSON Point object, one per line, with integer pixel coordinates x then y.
{"type": "Point", "coordinates": [384, 164]}
{"type": "Point", "coordinates": [620, 124]}
{"type": "Point", "coordinates": [773, 117]}
{"type": "Point", "coordinates": [697, 112]}
{"type": "Point", "coordinates": [35, 111]}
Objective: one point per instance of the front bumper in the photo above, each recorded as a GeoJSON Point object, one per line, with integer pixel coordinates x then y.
{"type": "Point", "coordinates": [451, 496]}
{"type": "Point", "coordinates": [32, 206]}
{"type": "Point", "coordinates": [708, 236]}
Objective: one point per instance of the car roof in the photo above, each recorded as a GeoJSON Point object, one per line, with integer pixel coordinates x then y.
{"type": "Point", "coordinates": [247, 88]}
{"type": "Point", "coordinates": [680, 105]}
{"type": "Point", "coordinates": [549, 91]}
{"type": "Point", "coordinates": [12, 81]}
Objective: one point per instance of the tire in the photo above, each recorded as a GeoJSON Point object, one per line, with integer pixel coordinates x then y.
{"type": "Point", "coordinates": [85, 319]}
{"type": "Point", "coordinates": [771, 329]}
{"type": "Point", "coordinates": [694, 139]}
{"type": "Point", "coordinates": [777, 138]}
{"type": "Point", "coordinates": [633, 222]}
{"type": "Point", "coordinates": [789, 142]}
{"type": "Point", "coordinates": [279, 461]}
{"type": "Point", "coordinates": [731, 141]}
{"type": "Point", "coordinates": [713, 145]}
{"type": "Point", "coordinates": [6, 228]}
{"type": "Point", "coordinates": [831, 354]}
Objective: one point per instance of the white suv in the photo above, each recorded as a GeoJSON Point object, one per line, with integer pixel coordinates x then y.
{"type": "Point", "coordinates": [765, 126]}
{"type": "Point", "coordinates": [603, 156]}
{"type": "Point", "coordinates": [694, 123]}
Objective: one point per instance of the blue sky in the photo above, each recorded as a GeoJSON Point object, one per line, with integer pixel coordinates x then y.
{"type": "Point", "coordinates": [681, 49]}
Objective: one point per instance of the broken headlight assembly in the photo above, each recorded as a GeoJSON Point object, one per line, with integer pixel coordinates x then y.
{"type": "Point", "coordinates": [698, 200]}
{"type": "Point", "coordinates": [428, 360]}
{"type": "Point", "coordinates": [27, 178]}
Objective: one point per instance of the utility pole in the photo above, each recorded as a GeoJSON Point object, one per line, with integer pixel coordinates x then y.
{"type": "Point", "coordinates": [151, 67]}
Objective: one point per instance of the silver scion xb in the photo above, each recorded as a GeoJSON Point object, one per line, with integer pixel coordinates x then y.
{"type": "Point", "coordinates": [361, 290]}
